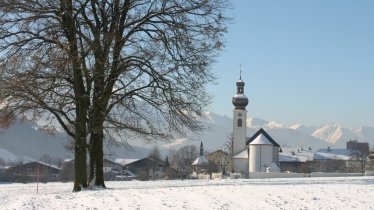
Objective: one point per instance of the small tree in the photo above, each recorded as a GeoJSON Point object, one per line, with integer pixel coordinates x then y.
{"type": "Point", "coordinates": [155, 161]}
{"type": "Point", "coordinates": [183, 159]}
{"type": "Point", "coordinates": [362, 157]}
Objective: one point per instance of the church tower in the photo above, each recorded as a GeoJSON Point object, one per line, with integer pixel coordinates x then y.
{"type": "Point", "coordinates": [240, 101]}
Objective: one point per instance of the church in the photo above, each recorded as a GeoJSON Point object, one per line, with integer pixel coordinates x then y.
{"type": "Point", "coordinates": [258, 153]}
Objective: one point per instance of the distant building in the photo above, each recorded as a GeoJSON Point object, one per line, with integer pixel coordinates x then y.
{"type": "Point", "coordinates": [147, 168]}
{"type": "Point", "coordinates": [362, 147]}
{"type": "Point", "coordinates": [200, 164]}
{"type": "Point", "coordinates": [33, 171]}
{"type": "Point", "coordinates": [3, 176]}
{"type": "Point", "coordinates": [296, 160]}
{"type": "Point", "coordinates": [221, 159]}
{"type": "Point", "coordinates": [112, 170]}
{"type": "Point", "coordinates": [335, 160]}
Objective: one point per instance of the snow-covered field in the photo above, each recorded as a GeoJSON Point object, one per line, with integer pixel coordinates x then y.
{"type": "Point", "coordinates": [296, 193]}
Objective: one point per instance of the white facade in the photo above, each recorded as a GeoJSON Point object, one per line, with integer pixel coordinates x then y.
{"type": "Point", "coordinates": [260, 157]}
{"type": "Point", "coordinates": [240, 164]}
{"type": "Point", "coordinates": [239, 131]}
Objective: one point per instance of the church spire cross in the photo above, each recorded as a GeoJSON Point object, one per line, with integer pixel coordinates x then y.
{"type": "Point", "coordinates": [240, 72]}
{"type": "Point", "coordinates": [240, 101]}
{"type": "Point", "coordinates": [201, 149]}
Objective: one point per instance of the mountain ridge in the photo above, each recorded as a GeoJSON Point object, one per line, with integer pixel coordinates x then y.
{"type": "Point", "coordinates": [25, 140]}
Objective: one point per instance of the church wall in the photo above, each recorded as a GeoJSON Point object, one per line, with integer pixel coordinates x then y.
{"type": "Point", "coordinates": [241, 166]}
{"type": "Point", "coordinates": [276, 155]}
{"type": "Point", "coordinates": [260, 157]}
{"type": "Point", "coordinates": [239, 131]}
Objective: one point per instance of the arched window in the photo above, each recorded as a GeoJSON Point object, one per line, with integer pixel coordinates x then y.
{"type": "Point", "coordinates": [240, 122]}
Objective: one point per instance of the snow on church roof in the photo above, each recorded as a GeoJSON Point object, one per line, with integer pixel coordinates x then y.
{"type": "Point", "coordinates": [261, 139]}
{"type": "Point", "coordinates": [263, 132]}
{"type": "Point", "coordinates": [273, 168]}
{"type": "Point", "coordinates": [242, 154]}
{"type": "Point", "coordinates": [201, 160]}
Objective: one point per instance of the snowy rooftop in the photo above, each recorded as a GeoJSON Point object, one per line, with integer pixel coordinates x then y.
{"type": "Point", "coordinates": [293, 154]}
{"type": "Point", "coordinates": [125, 161]}
{"type": "Point", "coordinates": [44, 163]}
{"type": "Point", "coordinates": [242, 154]}
{"type": "Point", "coordinates": [262, 140]}
{"type": "Point", "coordinates": [333, 154]}
{"type": "Point", "coordinates": [287, 157]}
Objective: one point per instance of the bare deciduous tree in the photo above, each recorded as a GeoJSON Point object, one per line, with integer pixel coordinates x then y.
{"type": "Point", "coordinates": [113, 67]}
{"type": "Point", "coordinates": [183, 159]}
{"type": "Point", "coordinates": [156, 163]}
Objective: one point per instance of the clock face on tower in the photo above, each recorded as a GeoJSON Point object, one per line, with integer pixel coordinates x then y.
{"type": "Point", "coordinates": [239, 114]}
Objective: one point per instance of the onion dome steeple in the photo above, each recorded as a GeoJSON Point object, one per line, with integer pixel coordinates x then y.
{"type": "Point", "coordinates": [240, 101]}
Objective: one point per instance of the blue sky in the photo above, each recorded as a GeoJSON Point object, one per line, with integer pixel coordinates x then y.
{"type": "Point", "coordinates": [303, 61]}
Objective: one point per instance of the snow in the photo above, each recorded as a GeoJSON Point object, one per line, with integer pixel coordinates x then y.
{"type": "Point", "coordinates": [261, 140]}
{"type": "Point", "coordinates": [284, 157]}
{"type": "Point", "coordinates": [125, 161]}
{"type": "Point", "coordinates": [333, 154]}
{"type": "Point", "coordinates": [296, 193]}
{"type": "Point", "coordinates": [293, 154]}
{"type": "Point", "coordinates": [201, 160]}
{"type": "Point", "coordinates": [243, 154]}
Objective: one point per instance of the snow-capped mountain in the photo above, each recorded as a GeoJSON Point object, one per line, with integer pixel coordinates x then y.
{"type": "Point", "coordinates": [296, 135]}
{"type": "Point", "coordinates": [24, 140]}
{"type": "Point", "coordinates": [338, 135]}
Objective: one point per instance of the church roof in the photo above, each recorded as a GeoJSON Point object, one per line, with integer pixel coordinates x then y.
{"type": "Point", "coordinates": [201, 160]}
{"type": "Point", "coordinates": [266, 135]}
{"type": "Point", "coordinates": [261, 139]}
{"type": "Point", "coordinates": [273, 168]}
{"type": "Point", "coordinates": [242, 155]}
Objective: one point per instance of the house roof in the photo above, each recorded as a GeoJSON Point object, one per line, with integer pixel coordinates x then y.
{"type": "Point", "coordinates": [217, 152]}
{"type": "Point", "coordinates": [145, 161]}
{"type": "Point", "coordinates": [262, 132]}
{"type": "Point", "coordinates": [288, 157]}
{"type": "Point", "coordinates": [333, 154]}
{"type": "Point", "coordinates": [125, 161]}
{"type": "Point", "coordinates": [293, 154]}
{"type": "Point", "coordinates": [34, 163]}
{"type": "Point", "coordinates": [46, 164]}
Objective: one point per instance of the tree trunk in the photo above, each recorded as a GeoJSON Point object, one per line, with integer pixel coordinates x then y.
{"type": "Point", "coordinates": [80, 178]}
{"type": "Point", "coordinates": [96, 160]}
{"type": "Point", "coordinates": [81, 97]}
{"type": "Point", "coordinates": [99, 162]}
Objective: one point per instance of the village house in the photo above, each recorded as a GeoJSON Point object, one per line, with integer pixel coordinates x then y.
{"type": "Point", "coordinates": [34, 171]}
{"type": "Point", "coordinates": [221, 159]}
{"type": "Point", "coordinates": [148, 168]}
{"type": "Point", "coordinates": [200, 164]}
{"type": "Point", "coordinates": [295, 160]}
